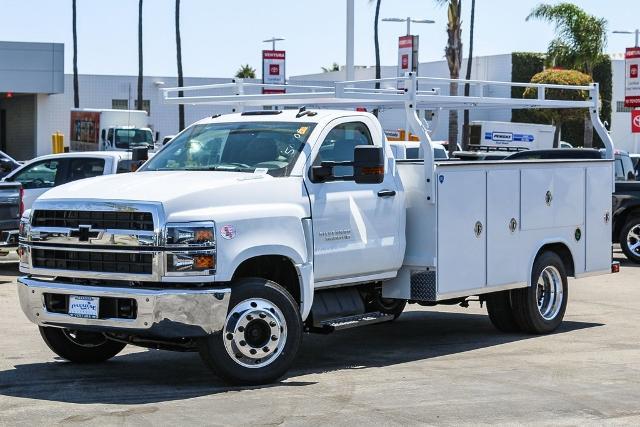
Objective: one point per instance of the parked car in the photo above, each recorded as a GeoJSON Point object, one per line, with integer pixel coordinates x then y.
{"type": "Point", "coordinates": [625, 213]}
{"type": "Point", "coordinates": [10, 211]}
{"type": "Point", "coordinates": [46, 172]}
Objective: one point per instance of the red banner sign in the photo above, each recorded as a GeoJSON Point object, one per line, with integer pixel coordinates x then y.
{"type": "Point", "coordinates": [635, 121]}
{"type": "Point", "coordinates": [632, 77]}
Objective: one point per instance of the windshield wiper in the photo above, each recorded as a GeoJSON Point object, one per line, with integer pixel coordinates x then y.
{"type": "Point", "coordinates": [220, 168]}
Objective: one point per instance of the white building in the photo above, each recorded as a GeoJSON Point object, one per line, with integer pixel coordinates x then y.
{"type": "Point", "coordinates": [36, 96]}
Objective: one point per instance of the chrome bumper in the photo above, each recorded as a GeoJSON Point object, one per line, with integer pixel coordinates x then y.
{"type": "Point", "coordinates": [167, 313]}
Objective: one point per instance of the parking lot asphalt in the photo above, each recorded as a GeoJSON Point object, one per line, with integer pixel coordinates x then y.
{"type": "Point", "coordinates": [444, 366]}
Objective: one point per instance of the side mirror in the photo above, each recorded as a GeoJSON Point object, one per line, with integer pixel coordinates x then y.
{"type": "Point", "coordinates": [368, 164]}
{"type": "Point", "coordinates": [103, 134]}
{"type": "Point", "coordinates": [157, 137]}
{"type": "Point", "coordinates": [139, 154]}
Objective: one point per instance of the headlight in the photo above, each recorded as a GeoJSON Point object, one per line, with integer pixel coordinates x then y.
{"type": "Point", "coordinates": [191, 249]}
{"type": "Point", "coordinates": [190, 235]}
{"type": "Point", "coordinates": [191, 261]}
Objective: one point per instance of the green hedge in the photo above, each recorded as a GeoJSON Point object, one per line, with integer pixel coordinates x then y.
{"type": "Point", "coordinates": [525, 64]}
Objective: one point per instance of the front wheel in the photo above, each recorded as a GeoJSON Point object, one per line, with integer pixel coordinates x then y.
{"type": "Point", "coordinates": [80, 346]}
{"type": "Point", "coordinates": [261, 335]}
{"type": "Point", "coordinates": [630, 239]}
{"type": "Point", "coordinates": [540, 308]}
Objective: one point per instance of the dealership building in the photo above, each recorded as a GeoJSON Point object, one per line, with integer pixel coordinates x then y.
{"type": "Point", "coordinates": [36, 97]}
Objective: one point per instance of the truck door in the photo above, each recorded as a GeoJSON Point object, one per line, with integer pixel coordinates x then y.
{"type": "Point", "coordinates": [356, 226]}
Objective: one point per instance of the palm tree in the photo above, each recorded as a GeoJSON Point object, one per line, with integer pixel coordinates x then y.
{"type": "Point", "coordinates": [453, 54]}
{"type": "Point", "coordinates": [179, 60]}
{"type": "Point", "coordinates": [465, 126]}
{"type": "Point", "coordinates": [246, 72]}
{"type": "Point", "coordinates": [579, 41]}
{"type": "Point", "coordinates": [76, 96]}
{"type": "Point", "coordinates": [333, 67]}
{"type": "Point", "coordinates": [139, 55]}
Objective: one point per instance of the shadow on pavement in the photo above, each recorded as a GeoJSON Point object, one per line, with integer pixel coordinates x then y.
{"type": "Point", "coordinates": [156, 376]}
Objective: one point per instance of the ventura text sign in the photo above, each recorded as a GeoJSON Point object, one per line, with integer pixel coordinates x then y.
{"type": "Point", "coordinates": [632, 77]}
{"type": "Point", "coordinates": [273, 69]}
{"type": "Point", "coordinates": [407, 56]}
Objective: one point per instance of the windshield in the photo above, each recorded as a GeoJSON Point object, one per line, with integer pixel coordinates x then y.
{"type": "Point", "coordinates": [238, 147]}
{"type": "Point", "coordinates": [130, 138]}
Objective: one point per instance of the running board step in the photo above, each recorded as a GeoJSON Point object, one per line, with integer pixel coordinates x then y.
{"type": "Point", "coordinates": [348, 322]}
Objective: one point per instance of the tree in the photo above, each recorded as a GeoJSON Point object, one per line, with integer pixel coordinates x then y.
{"type": "Point", "coordinates": [579, 41]}
{"type": "Point", "coordinates": [181, 123]}
{"type": "Point", "coordinates": [333, 67]}
{"type": "Point", "coordinates": [560, 77]}
{"type": "Point", "coordinates": [465, 127]}
{"type": "Point", "coordinates": [453, 54]}
{"type": "Point", "coordinates": [139, 55]}
{"type": "Point", "coordinates": [246, 72]}
{"type": "Point", "coordinates": [76, 95]}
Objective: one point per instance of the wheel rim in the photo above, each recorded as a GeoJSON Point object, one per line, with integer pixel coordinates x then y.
{"type": "Point", "coordinates": [549, 292]}
{"type": "Point", "coordinates": [255, 332]}
{"type": "Point", "coordinates": [633, 239]}
{"type": "Point", "coordinates": [84, 339]}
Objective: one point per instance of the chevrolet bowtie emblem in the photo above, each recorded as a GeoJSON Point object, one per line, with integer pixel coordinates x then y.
{"type": "Point", "coordinates": [84, 233]}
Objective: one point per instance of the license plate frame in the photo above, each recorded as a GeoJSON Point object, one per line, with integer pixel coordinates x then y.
{"type": "Point", "coordinates": [84, 307]}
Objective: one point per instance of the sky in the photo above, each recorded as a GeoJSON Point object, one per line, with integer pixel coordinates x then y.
{"type": "Point", "coordinates": [220, 35]}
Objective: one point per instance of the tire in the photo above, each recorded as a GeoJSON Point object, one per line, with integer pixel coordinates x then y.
{"type": "Point", "coordinates": [540, 308]}
{"type": "Point", "coordinates": [630, 239]}
{"type": "Point", "coordinates": [80, 346]}
{"type": "Point", "coordinates": [500, 311]}
{"type": "Point", "coordinates": [261, 335]}
{"type": "Point", "coordinates": [375, 302]}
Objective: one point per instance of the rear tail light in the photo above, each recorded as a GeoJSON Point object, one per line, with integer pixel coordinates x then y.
{"type": "Point", "coordinates": [21, 201]}
{"type": "Point", "coordinates": [615, 267]}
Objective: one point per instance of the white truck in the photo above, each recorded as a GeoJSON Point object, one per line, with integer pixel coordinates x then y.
{"type": "Point", "coordinates": [527, 136]}
{"type": "Point", "coordinates": [110, 130]}
{"type": "Point", "coordinates": [251, 228]}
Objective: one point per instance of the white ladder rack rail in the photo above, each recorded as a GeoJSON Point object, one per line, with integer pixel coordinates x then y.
{"type": "Point", "coordinates": [362, 93]}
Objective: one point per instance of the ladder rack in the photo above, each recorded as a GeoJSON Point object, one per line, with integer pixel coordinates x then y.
{"type": "Point", "coordinates": [405, 93]}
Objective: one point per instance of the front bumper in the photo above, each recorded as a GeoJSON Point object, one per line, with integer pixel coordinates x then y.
{"type": "Point", "coordinates": [165, 313]}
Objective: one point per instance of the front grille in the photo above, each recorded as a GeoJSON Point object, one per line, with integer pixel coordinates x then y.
{"type": "Point", "coordinates": [98, 220]}
{"type": "Point", "coordinates": [101, 262]}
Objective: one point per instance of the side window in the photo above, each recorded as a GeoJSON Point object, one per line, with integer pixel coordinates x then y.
{"type": "Point", "coordinates": [619, 170]}
{"type": "Point", "coordinates": [81, 168]}
{"type": "Point", "coordinates": [340, 143]}
{"type": "Point", "coordinates": [38, 175]}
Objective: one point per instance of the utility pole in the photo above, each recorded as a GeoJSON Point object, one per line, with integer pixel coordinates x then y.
{"type": "Point", "coordinates": [350, 39]}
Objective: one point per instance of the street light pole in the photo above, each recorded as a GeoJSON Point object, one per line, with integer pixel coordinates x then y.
{"type": "Point", "coordinates": [350, 40]}
{"type": "Point", "coordinates": [636, 32]}
{"type": "Point", "coordinates": [409, 20]}
{"type": "Point", "coordinates": [273, 41]}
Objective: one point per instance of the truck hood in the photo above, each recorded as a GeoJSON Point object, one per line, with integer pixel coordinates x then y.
{"type": "Point", "coordinates": [181, 191]}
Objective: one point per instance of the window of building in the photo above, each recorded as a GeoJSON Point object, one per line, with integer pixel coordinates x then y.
{"type": "Point", "coordinates": [146, 106]}
{"type": "Point", "coordinates": [120, 104]}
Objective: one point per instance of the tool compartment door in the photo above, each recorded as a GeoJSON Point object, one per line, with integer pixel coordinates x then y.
{"type": "Point", "coordinates": [599, 218]}
{"type": "Point", "coordinates": [461, 230]}
{"type": "Point", "coordinates": [505, 257]}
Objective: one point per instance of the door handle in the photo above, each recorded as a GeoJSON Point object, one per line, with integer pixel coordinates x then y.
{"type": "Point", "coordinates": [386, 193]}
